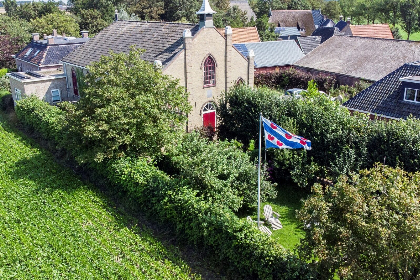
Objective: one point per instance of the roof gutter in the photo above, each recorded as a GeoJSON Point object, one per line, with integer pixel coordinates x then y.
{"type": "Point", "coordinates": [370, 113]}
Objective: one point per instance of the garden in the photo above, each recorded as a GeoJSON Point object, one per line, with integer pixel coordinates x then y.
{"type": "Point", "coordinates": [203, 189]}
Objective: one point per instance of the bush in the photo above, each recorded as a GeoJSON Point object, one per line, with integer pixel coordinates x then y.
{"type": "Point", "coordinates": [341, 143]}
{"type": "Point", "coordinates": [41, 117]}
{"type": "Point", "coordinates": [4, 83]}
{"type": "Point", "coordinates": [236, 243]}
{"type": "Point", "coordinates": [6, 100]}
{"type": "Point", "coordinates": [365, 227]}
{"type": "Point", "coordinates": [293, 78]}
{"type": "Point", "coordinates": [219, 171]}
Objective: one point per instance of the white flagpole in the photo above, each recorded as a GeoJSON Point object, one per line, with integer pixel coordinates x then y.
{"type": "Point", "coordinates": [259, 170]}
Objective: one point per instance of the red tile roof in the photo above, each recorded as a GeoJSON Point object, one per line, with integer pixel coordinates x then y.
{"type": "Point", "coordinates": [243, 35]}
{"type": "Point", "coordinates": [372, 30]}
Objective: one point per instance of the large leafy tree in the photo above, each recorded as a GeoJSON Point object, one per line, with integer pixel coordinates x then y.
{"type": "Point", "coordinates": [15, 28]}
{"type": "Point", "coordinates": [409, 10]}
{"type": "Point", "coordinates": [62, 22]}
{"type": "Point", "coordinates": [332, 10]}
{"type": "Point", "coordinates": [33, 10]}
{"type": "Point", "coordinates": [92, 21]}
{"type": "Point", "coordinates": [365, 227]}
{"type": "Point", "coordinates": [181, 10]}
{"type": "Point", "coordinates": [127, 108]}
{"type": "Point", "coordinates": [145, 9]}
{"type": "Point", "coordinates": [105, 7]}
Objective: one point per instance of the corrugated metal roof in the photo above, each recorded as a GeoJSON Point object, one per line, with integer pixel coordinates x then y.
{"type": "Point", "coordinates": [272, 53]}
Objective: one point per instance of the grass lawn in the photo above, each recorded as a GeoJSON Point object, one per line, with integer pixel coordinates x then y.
{"type": "Point", "coordinates": [54, 226]}
{"type": "Point", "coordinates": [286, 204]}
{"type": "Point", "coordinates": [413, 36]}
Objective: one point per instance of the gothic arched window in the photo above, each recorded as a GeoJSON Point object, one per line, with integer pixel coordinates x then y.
{"type": "Point", "coordinates": [209, 72]}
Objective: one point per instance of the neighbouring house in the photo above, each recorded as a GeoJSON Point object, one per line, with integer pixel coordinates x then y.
{"type": "Point", "coordinates": [243, 5]}
{"type": "Point", "coordinates": [395, 96]}
{"type": "Point", "coordinates": [46, 54]}
{"type": "Point", "coordinates": [341, 23]}
{"type": "Point", "coordinates": [203, 60]}
{"type": "Point", "coordinates": [326, 32]}
{"type": "Point", "coordinates": [287, 33]}
{"type": "Point", "coordinates": [351, 59]}
{"type": "Point", "coordinates": [309, 43]}
{"type": "Point", "coordinates": [371, 30]}
{"type": "Point", "coordinates": [272, 55]}
{"type": "Point", "coordinates": [242, 35]}
{"type": "Point", "coordinates": [47, 86]}
{"type": "Point", "coordinates": [301, 19]}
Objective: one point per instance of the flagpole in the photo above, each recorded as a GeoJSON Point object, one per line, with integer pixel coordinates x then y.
{"type": "Point", "coordinates": [259, 171]}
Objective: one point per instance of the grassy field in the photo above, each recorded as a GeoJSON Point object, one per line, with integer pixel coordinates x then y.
{"type": "Point", "coordinates": [413, 36]}
{"type": "Point", "coordinates": [53, 226]}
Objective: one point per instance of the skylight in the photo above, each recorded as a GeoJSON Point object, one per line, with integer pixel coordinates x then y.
{"type": "Point", "coordinates": [28, 52]}
{"type": "Point", "coordinates": [36, 52]}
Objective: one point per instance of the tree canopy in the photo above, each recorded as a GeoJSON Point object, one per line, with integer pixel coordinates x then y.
{"type": "Point", "coordinates": [366, 226]}
{"type": "Point", "coordinates": [127, 107]}
{"type": "Point", "coordinates": [60, 21]}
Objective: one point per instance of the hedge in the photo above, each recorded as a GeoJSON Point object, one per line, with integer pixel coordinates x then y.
{"type": "Point", "coordinates": [237, 244]}
{"type": "Point", "coordinates": [341, 143]}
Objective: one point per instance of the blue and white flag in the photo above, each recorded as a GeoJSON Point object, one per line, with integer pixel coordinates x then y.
{"type": "Point", "coordinates": [277, 137]}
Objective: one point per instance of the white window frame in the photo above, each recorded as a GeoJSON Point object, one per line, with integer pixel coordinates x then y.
{"type": "Point", "coordinates": [52, 95]}
{"type": "Point", "coordinates": [416, 95]}
{"type": "Point", "coordinates": [18, 94]}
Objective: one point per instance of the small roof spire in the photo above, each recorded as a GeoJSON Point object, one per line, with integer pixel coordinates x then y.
{"type": "Point", "coordinates": [205, 9]}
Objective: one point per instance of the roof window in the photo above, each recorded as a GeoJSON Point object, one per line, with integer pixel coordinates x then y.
{"type": "Point", "coordinates": [37, 52]}
{"type": "Point", "coordinates": [28, 52]}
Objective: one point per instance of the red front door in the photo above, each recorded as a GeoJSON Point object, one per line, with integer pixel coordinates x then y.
{"type": "Point", "coordinates": [209, 119]}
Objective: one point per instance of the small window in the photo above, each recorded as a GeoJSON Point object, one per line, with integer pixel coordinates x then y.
{"type": "Point", "coordinates": [412, 95]}
{"type": "Point", "coordinates": [55, 95]}
{"type": "Point", "coordinates": [28, 52]}
{"type": "Point", "coordinates": [209, 72]}
{"type": "Point", "coordinates": [37, 52]}
{"type": "Point", "coordinates": [18, 94]}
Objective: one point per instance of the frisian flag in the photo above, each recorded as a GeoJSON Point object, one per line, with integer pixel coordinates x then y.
{"type": "Point", "coordinates": [277, 137]}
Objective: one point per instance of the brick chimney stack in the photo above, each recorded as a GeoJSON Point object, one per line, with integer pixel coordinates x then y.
{"type": "Point", "coordinates": [85, 34]}
{"type": "Point", "coordinates": [54, 32]}
{"type": "Point", "coordinates": [35, 36]}
{"type": "Point", "coordinates": [348, 21]}
{"type": "Point", "coordinates": [50, 40]}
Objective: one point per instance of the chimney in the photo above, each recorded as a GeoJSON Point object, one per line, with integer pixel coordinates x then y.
{"type": "Point", "coordinates": [85, 34]}
{"type": "Point", "coordinates": [348, 21]}
{"type": "Point", "coordinates": [251, 57]}
{"type": "Point", "coordinates": [35, 36]}
{"type": "Point", "coordinates": [341, 17]}
{"type": "Point", "coordinates": [54, 32]}
{"type": "Point", "coordinates": [64, 35]}
{"type": "Point", "coordinates": [50, 40]}
{"type": "Point", "coordinates": [228, 57]}
{"type": "Point", "coordinates": [45, 36]}
{"type": "Point", "coordinates": [116, 15]}
{"type": "Point", "coordinates": [206, 15]}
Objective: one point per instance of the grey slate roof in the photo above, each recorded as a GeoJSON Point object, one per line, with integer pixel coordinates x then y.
{"type": "Point", "coordinates": [341, 24]}
{"type": "Point", "coordinates": [385, 97]}
{"type": "Point", "coordinates": [328, 23]}
{"type": "Point", "coordinates": [43, 54]}
{"type": "Point", "coordinates": [161, 40]}
{"type": "Point", "coordinates": [272, 53]}
{"type": "Point", "coordinates": [318, 17]}
{"type": "Point", "coordinates": [287, 31]}
{"type": "Point", "coordinates": [361, 57]}
{"type": "Point", "coordinates": [294, 18]}
{"type": "Point", "coordinates": [244, 6]}
{"type": "Point", "coordinates": [326, 33]}
{"type": "Point", "coordinates": [309, 43]}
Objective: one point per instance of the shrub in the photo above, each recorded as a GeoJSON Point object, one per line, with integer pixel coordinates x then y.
{"type": "Point", "coordinates": [6, 100]}
{"type": "Point", "coordinates": [5, 83]}
{"type": "Point", "coordinates": [365, 227]}
{"type": "Point", "coordinates": [219, 171]}
{"type": "Point", "coordinates": [341, 143]}
{"type": "Point", "coordinates": [293, 78]}
{"type": "Point", "coordinates": [235, 243]}
{"type": "Point", "coordinates": [41, 117]}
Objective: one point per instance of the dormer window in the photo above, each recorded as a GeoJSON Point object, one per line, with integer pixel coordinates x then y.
{"type": "Point", "coordinates": [412, 95]}
{"type": "Point", "coordinates": [209, 72]}
{"type": "Point", "coordinates": [28, 52]}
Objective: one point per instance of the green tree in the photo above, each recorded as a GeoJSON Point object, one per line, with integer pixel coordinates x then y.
{"type": "Point", "coordinates": [409, 10]}
{"type": "Point", "coordinates": [92, 21]}
{"type": "Point", "coordinates": [128, 107]}
{"type": "Point", "coordinates": [234, 17]}
{"type": "Point", "coordinates": [181, 10]}
{"type": "Point", "coordinates": [105, 7]}
{"type": "Point", "coordinates": [145, 9]}
{"type": "Point", "coordinates": [60, 21]}
{"type": "Point", "coordinates": [332, 10]}
{"type": "Point", "coordinates": [10, 6]}
{"type": "Point", "coordinates": [16, 28]}
{"type": "Point", "coordinates": [365, 227]}
{"type": "Point", "coordinates": [265, 29]}
{"type": "Point", "coordinates": [33, 10]}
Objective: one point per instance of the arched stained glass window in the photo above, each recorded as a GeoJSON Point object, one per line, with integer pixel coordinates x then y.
{"type": "Point", "coordinates": [209, 72]}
